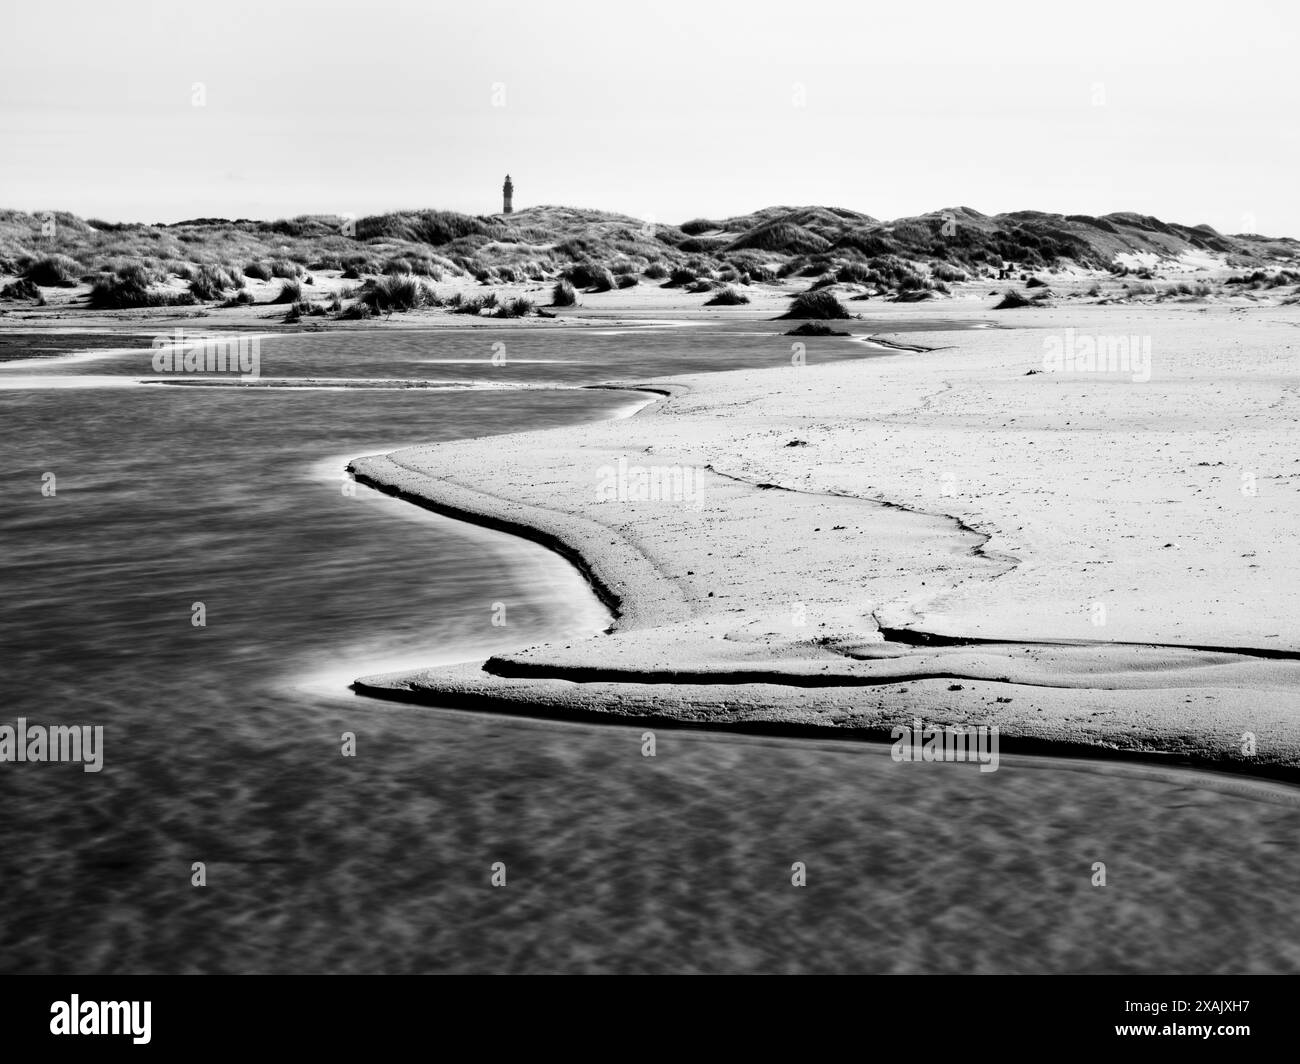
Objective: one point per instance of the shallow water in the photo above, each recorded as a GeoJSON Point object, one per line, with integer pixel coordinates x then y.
{"type": "Point", "coordinates": [222, 743]}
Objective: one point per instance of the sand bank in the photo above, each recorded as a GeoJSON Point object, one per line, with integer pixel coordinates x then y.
{"type": "Point", "coordinates": [1093, 561]}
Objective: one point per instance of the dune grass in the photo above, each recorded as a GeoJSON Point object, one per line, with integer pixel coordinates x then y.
{"type": "Point", "coordinates": [208, 283]}
{"type": "Point", "coordinates": [20, 289]}
{"type": "Point", "coordinates": [600, 250]}
{"type": "Point", "coordinates": [397, 292]}
{"type": "Point", "coordinates": [727, 297]}
{"type": "Point", "coordinates": [54, 271]}
{"type": "Point", "coordinates": [290, 292]}
{"type": "Point", "coordinates": [819, 304]}
{"type": "Point", "coordinates": [811, 328]}
{"type": "Point", "coordinates": [475, 305]}
{"type": "Point", "coordinates": [131, 287]}
{"type": "Point", "coordinates": [1013, 299]}
{"type": "Point", "coordinates": [515, 308]}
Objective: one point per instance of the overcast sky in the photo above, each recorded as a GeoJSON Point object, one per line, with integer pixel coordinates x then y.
{"type": "Point", "coordinates": [665, 110]}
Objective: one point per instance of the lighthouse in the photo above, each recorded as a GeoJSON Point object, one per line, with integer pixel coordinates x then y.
{"type": "Point", "coordinates": [507, 196]}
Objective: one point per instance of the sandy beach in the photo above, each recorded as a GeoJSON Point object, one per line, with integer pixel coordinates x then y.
{"type": "Point", "coordinates": [1092, 561]}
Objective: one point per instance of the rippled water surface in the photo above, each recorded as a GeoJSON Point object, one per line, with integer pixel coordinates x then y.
{"type": "Point", "coordinates": [222, 742]}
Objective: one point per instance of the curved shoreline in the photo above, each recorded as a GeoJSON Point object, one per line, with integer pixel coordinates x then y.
{"type": "Point", "coordinates": [535, 534]}
{"type": "Point", "coordinates": [659, 670]}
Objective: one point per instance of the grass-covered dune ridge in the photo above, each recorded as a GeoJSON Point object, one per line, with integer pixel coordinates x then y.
{"type": "Point", "coordinates": [204, 260]}
{"type": "Point", "coordinates": [546, 240]}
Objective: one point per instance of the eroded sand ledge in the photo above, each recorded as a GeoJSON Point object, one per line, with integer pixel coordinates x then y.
{"type": "Point", "coordinates": [927, 535]}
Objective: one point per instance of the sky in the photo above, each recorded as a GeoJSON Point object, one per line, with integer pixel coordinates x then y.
{"type": "Point", "coordinates": [138, 111]}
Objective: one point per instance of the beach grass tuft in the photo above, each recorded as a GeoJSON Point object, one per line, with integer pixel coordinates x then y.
{"type": "Point", "coordinates": [54, 271]}
{"type": "Point", "coordinates": [819, 304]}
{"type": "Point", "coordinates": [727, 297]}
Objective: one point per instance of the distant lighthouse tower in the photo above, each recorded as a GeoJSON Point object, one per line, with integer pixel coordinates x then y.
{"type": "Point", "coordinates": [508, 195]}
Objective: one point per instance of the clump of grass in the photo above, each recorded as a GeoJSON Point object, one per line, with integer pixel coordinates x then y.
{"type": "Point", "coordinates": [259, 271]}
{"type": "Point", "coordinates": [680, 276]}
{"type": "Point", "coordinates": [474, 306]}
{"type": "Point", "coordinates": [1013, 299]}
{"type": "Point", "coordinates": [1035, 282]}
{"type": "Point", "coordinates": [812, 328]}
{"type": "Point", "coordinates": [290, 292]}
{"type": "Point", "coordinates": [702, 285]}
{"type": "Point", "coordinates": [129, 288]}
{"type": "Point", "coordinates": [357, 311]}
{"type": "Point", "coordinates": [211, 282]}
{"type": "Point", "coordinates": [20, 289]}
{"type": "Point", "coordinates": [242, 298]}
{"type": "Point", "coordinates": [54, 271]}
{"type": "Point", "coordinates": [563, 294]}
{"type": "Point", "coordinates": [589, 275]}
{"type": "Point", "coordinates": [656, 271]}
{"type": "Point", "coordinates": [819, 304]}
{"type": "Point", "coordinates": [286, 268]}
{"type": "Point", "coordinates": [627, 280]}
{"type": "Point", "coordinates": [727, 297]}
{"type": "Point", "coordinates": [515, 308]}
{"type": "Point", "coordinates": [397, 292]}
{"type": "Point", "coordinates": [855, 273]}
